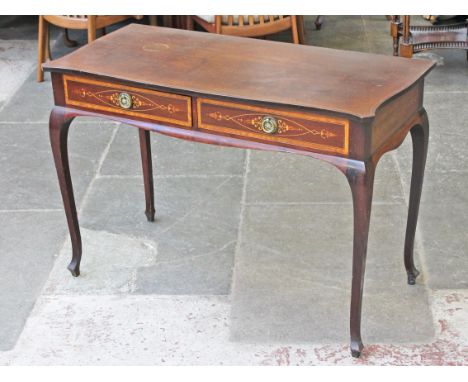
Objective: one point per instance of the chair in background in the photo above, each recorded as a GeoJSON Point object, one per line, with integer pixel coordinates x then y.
{"type": "Point", "coordinates": [409, 39]}
{"type": "Point", "coordinates": [89, 23]}
{"type": "Point", "coordinates": [250, 26]}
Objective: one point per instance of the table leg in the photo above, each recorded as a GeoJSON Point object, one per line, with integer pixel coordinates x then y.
{"type": "Point", "coordinates": [361, 180]}
{"type": "Point", "coordinates": [59, 124]}
{"type": "Point", "coordinates": [146, 162]}
{"type": "Point", "coordinates": [420, 138]}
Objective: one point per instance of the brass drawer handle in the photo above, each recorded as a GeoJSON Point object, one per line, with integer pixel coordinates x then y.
{"type": "Point", "coordinates": [269, 125]}
{"type": "Point", "coordinates": [125, 100]}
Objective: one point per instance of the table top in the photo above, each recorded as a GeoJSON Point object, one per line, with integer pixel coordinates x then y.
{"type": "Point", "coordinates": [340, 81]}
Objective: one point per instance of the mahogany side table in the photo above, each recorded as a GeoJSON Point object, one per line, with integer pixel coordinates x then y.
{"type": "Point", "coordinates": [346, 108]}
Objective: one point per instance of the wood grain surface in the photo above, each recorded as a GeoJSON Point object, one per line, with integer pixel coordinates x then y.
{"type": "Point", "coordinates": [346, 82]}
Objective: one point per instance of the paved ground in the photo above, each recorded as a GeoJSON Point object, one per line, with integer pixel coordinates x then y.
{"type": "Point", "coordinates": [249, 261]}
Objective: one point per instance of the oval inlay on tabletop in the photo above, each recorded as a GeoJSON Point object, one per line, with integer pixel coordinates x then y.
{"type": "Point", "coordinates": [155, 47]}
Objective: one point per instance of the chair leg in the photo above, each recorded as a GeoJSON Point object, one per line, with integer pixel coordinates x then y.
{"type": "Point", "coordinates": [301, 29]}
{"type": "Point", "coordinates": [406, 45]}
{"type": "Point", "coordinates": [48, 50]}
{"type": "Point", "coordinates": [189, 23]}
{"type": "Point", "coordinates": [396, 43]}
{"type": "Point", "coordinates": [68, 41]}
{"type": "Point", "coordinates": [294, 29]}
{"type": "Point", "coordinates": [168, 21]}
{"type": "Point", "coordinates": [147, 165]}
{"type": "Point", "coordinates": [395, 33]}
{"type": "Point", "coordinates": [180, 22]}
{"type": "Point", "coordinates": [41, 47]}
{"type": "Point", "coordinates": [420, 137]}
{"type": "Point", "coordinates": [91, 28]}
{"type": "Point", "coordinates": [218, 24]}
{"type": "Point", "coordinates": [405, 49]}
{"type": "Point", "coordinates": [318, 22]}
{"type": "Point", "coordinates": [153, 20]}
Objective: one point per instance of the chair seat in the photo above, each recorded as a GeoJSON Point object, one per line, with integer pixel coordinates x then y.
{"type": "Point", "coordinates": [250, 25]}
{"type": "Point", "coordinates": [211, 18]}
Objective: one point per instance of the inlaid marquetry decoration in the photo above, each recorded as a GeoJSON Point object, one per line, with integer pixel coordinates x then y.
{"type": "Point", "coordinates": [121, 99]}
{"type": "Point", "coordinates": [286, 127]}
{"type": "Point", "coordinates": [114, 98]}
{"type": "Point", "coordinates": [304, 130]}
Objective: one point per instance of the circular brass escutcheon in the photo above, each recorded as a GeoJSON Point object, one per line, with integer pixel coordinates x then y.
{"type": "Point", "coordinates": [125, 100]}
{"type": "Point", "coordinates": [269, 125]}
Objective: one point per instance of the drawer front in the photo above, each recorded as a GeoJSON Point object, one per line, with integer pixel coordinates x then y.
{"type": "Point", "coordinates": [301, 130]}
{"type": "Point", "coordinates": [128, 100]}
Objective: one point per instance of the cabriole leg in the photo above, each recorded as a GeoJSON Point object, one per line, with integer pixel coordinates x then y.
{"type": "Point", "coordinates": [361, 181]}
{"type": "Point", "coordinates": [59, 124]}
{"type": "Point", "coordinates": [420, 138]}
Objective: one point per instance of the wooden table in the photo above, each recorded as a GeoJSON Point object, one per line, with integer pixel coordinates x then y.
{"type": "Point", "coordinates": [345, 108]}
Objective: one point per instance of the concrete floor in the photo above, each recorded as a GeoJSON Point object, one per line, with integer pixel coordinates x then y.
{"type": "Point", "coordinates": [249, 261]}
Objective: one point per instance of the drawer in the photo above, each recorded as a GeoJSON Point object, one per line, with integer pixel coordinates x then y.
{"type": "Point", "coordinates": [127, 100]}
{"type": "Point", "coordinates": [301, 130]}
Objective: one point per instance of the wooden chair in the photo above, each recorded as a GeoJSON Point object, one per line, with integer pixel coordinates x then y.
{"type": "Point", "coordinates": [250, 26]}
{"type": "Point", "coordinates": [89, 23]}
{"type": "Point", "coordinates": [409, 39]}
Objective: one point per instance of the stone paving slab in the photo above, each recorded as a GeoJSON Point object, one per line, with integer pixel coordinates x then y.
{"type": "Point", "coordinates": [444, 189]}
{"type": "Point", "coordinates": [194, 330]}
{"type": "Point", "coordinates": [31, 103]}
{"type": "Point", "coordinates": [171, 156]}
{"type": "Point", "coordinates": [109, 266]}
{"type": "Point", "coordinates": [29, 243]}
{"type": "Point", "coordinates": [18, 27]}
{"type": "Point", "coordinates": [195, 229]}
{"type": "Point", "coordinates": [286, 178]}
{"type": "Point", "coordinates": [121, 264]}
{"type": "Point", "coordinates": [447, 150]}
{"type": "Point", "coordinates": [451, 76]}
{"type": "Point", "coordinates": [293, 275]}
{"type": "Point", "coordinates": [15, 65]}
{"type": "Point", "coordinates": [34, 100]}
{"type": "Point", "coordinates": [379, 43]}
{"type": "Point", "coordinates": [447, 139]}
{"type": "Point", "coordinates": [445, 244]}
{"type": "Point", "coordinates": [334, 35]}
{"type": "Point", "coordinates": [27, 169]}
